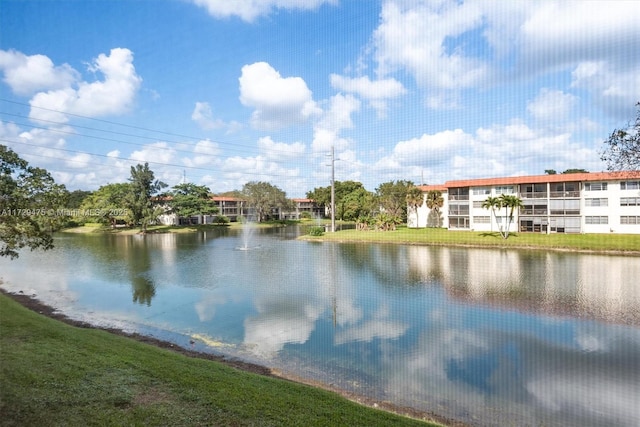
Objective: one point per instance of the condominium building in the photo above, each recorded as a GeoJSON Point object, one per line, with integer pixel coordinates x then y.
{"type": "Point", "coordinates": [604, 202]}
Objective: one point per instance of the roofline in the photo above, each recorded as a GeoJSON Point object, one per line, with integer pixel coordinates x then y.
{"type": "Point", "coordinates": [537, 179]}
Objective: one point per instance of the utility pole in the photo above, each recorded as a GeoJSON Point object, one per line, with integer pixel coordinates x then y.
{"type": "Point", "coordinates": [333, 191]}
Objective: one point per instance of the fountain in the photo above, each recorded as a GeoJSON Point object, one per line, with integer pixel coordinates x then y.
{"type": "Point", "coordinates": [246, 235]}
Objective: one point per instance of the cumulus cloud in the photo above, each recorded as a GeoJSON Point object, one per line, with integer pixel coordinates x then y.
{"type": "Point", "coordinates": [157, 152]}
{"type": "Point", "coordinates": [26, 75]}
{"type": "Point", "coordinates": [421, 39]}
{"type": "Point", "coordinates": [551, 105]}
{"type": "Point", "coordinates": [448, 46]}
{"type": "Point", "coordinates": [249, 10]}
{"type": "Point", "coordinates": [376, 92]}
{"type": "Point", "coordinates": [203, 116]}
{"type": "Point", "coordinates": [279, 150]}
{"type": "Point", "coordinates": [326, 133]}
{"type": "Point", "coordinates": [277, 101]}
{"type": "Point", "coordinates": [111, 96]}
{"type": "Point", "coordinates": [205, 153]}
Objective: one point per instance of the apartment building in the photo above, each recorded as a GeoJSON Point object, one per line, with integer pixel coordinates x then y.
{"type": "Point", "coordinates": [604, 202]}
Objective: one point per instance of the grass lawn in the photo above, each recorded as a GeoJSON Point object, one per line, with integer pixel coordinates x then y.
{"type": "Point", "coordinates": [438, 236]}
{"type": "Point", "coordinates": [52, 373]}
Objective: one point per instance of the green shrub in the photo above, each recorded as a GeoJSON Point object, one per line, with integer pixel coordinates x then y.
{"type": "Point", "coordinates": [222, 220]}
{"type": "Point", "coordinates": [316, 231]}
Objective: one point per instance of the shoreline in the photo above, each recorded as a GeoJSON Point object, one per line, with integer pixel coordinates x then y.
{"type": "Point", "coordinates": [630, 253]}
{"type": "Point", "coordinates": [33, 304]}
{"type": "Point", "coordinates": [308, 238]}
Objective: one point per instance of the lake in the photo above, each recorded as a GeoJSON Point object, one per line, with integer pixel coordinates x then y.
{"type": "Point", "coordinates": [485, 336]}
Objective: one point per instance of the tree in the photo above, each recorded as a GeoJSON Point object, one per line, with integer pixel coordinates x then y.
{"type": "Point", "coordinates": [76, 198]}
{"type": "Point", "coordinates": [550, 171]}
{"type": "Point", "coordinates": [492, 203]}
{"type": "Point", "coordinates": [264, 197]}
{"type": "Point", "coordinates": [27, 196]}
{"type": "Point", "coordinates": [622, 150]}
{"type": "Point", "coordinates": [434, 201]}
{"type": "Point", "coordinates": [415, 199]}
{"type": "Point", "coordinates": [106, 204]}
{"type": "Point", "coordinates": [139, 201]}
{"type": "Point", "coordinates": [322, 195]}
{"type": "Point", "coordinates": [189, 199]}
{"type": "Point", "coordinates": [393, 198]}
{"type": "Point", "coordinates": [357, 204]}
{"type": "Point", "coordinates": [510, 203]}
{"type": "Point", "coordinates": [575, 170]}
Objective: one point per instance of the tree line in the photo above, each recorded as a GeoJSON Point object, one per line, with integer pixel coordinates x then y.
{"type": "Point", "coordinates": [32, 204]}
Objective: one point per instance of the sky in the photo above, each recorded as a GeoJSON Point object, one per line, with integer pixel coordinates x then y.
{"type": "Point", "coordinates": [220, 93]}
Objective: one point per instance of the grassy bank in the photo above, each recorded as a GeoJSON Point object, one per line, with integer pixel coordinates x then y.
{"type": "Point", "coordinates": [52, 373]}
{"type": "Point", "coordinates": [89, 228]}
{"type": "Point", "coordinates": [629, 243]}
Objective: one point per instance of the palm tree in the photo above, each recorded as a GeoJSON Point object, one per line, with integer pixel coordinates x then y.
{"type": "Point", "coordinates": [511, 203]}
{"type": "Point", "coordinates": [492, 203]}
{"type": "Point", "coordinates": [415, 199]}
{"type": "Point", "coordinates": [435, 201]}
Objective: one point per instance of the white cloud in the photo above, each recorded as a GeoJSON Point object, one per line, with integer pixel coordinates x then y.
{"type": "Point", "coordinates": [27, 75]}
{"type": "Point", "coordinates": [551, 105]}
{"type": "Point", "coordinates": [413, 37]}
{"type": "Point", "coordinates": [279, 150]}
{"type": "Point", "coordinates": [448, 46]}
{"type": "Point", "coordinates": [157, 152]}
{"type": "Point", "coordinates": [376, 92]}
{"type": "Point", "coordinates": [249, 10]}
{"type": "Point", "coordinates": [326, 132]}
{"type": "Point", "coordinates": [278, 101]}
{"type": "Point", "coordinates": [203, 116]}
{"type": "Point", "coordinates": [612, 89]}
{"type": "Point", "coordinates": [206, 153]}
{"type": "Point", "coordinates": [114, 95]}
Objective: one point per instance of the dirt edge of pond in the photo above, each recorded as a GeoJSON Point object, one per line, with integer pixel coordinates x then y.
{"type": "Point", "coordinates": [33, 304]}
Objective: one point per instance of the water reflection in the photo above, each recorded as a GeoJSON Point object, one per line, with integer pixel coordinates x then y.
{"type": "Point", "coordinates": [483, 335]}
{"type": "Point", "coordinates": [583, 285]}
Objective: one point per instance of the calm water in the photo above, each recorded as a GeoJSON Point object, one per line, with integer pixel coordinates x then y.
{"type": "Point", "coordinates": [490, 337]}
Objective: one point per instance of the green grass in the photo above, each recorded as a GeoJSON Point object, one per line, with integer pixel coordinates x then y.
{"type": "Point", "coordinates": [438, 236]}
{"type": "Point", "coordinates": [55, 374]}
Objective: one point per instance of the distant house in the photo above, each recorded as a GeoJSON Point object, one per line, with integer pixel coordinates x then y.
{"type": "Point", "coordinates": [604, 202]}
{"type": "Point", "coordinates": [303, 205]}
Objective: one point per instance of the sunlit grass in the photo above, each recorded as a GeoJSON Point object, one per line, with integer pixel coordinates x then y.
{"type": "Point", "coordinates": [55, 374]}
{"type": "Point", "coordinates": [439, 236]}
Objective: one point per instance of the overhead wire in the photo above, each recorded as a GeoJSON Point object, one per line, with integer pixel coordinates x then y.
{"type": "Point", "coordinates": [228, 146]}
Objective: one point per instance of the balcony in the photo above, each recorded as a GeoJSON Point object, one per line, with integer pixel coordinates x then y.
{"type": "Point", "coordinates": [565, 194]}
{"type": "Point", "coordinates": [534, 195]}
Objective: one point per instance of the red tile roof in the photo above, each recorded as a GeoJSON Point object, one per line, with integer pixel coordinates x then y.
{"type": "Point", "coordinates": [536, 179]}
{"type": "Point", "coordinates": [426, 188]}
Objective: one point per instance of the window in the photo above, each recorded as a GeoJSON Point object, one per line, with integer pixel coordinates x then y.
{"type": "Point", "coordinates": [563, 206]}
{"type": "Point", "coordinates": [478, 203]}
{"type": "Point", "coordinates": [461, 193]}
{"type": "Point", "coordinates": [597, 220]}
{"type": "Point", "coordinates": [458, 209]}
{"type": "Point", "coordinates": [629, 219]}
{"type": "Point", "coordinates": [629, 201]}
{"type": "Point", "coordinates": [482, 219]}
{"type": "Point", "coordinates": [505, 190]}
{"type": "Point", "coordinates": [482, 191]}
{"type": "Point", "coordinates": [630, 185]}
{"type": "Point", "coordinates": [458, 222]}
{"type": "Point", "coordinates": [595, 186]}
{"type": "Point", "coordinates": [596, 202]}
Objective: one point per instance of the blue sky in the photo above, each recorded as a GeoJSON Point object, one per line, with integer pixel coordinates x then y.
{"type": "Point", "coordinates": [226, 92]}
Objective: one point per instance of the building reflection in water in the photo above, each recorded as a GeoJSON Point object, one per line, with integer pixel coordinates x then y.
{"type": "Point", "coordinates": [559, 283]}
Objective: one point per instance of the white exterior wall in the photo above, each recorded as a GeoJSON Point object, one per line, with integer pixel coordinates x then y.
{"type": "Point", "coordinates": [612, 211]}
{"type": "Point", "coordinates": [423, 213]}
